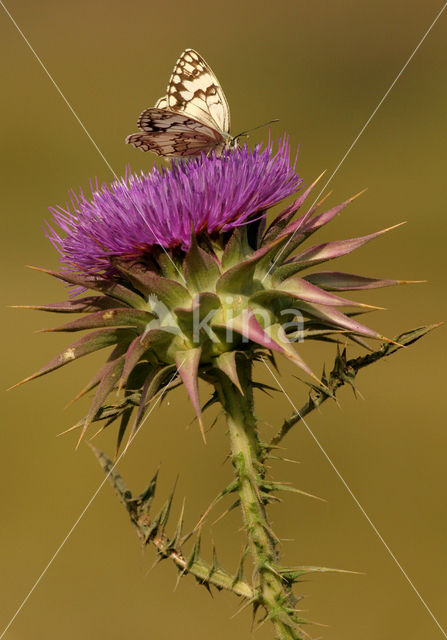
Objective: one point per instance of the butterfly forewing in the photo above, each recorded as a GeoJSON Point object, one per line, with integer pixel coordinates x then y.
{"type": "Point", "coordinates": [193, 88]}
{"type": "Point", "coordinates": [192, 118]}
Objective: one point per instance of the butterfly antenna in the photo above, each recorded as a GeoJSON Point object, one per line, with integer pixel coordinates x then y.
{"type": "Point", "coordinates": [244, 133]}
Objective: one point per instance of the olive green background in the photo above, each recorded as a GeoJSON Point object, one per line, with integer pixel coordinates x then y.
{"type": "Point", "coordinates": [321, 68]}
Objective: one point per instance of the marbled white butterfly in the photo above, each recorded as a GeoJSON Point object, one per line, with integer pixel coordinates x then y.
{"type": "Point", "coordinates": [192, 118]}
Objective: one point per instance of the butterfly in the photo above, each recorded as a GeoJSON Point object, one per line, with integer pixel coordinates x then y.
{"type": "Point", "coordinates": [193, 117]}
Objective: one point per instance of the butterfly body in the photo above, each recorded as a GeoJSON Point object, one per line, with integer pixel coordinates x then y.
{"type": "Point", "coordinates": [192, 118]}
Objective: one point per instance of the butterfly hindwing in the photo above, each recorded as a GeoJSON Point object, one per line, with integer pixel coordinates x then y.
{"type": "Point", "coordinates": [172, 134]}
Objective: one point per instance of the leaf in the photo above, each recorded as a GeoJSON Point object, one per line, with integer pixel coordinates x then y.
{"type": "Point", "coordinates": [339, 281]}
{"type": "Point", "coordinates": [108, 381]}
{"type": "Point", "coordinates": [169, 292]}
{"type": "Point", "coordinates": [304, 290]}
{"type": "Point", "coordinates": [87, 304]}
{"type": "Point", "coordinates": [114, 477]}
{"type": "Point", "coordinates": [296, 572]}
{"type": "Point", "coordinates": [237, 249]}
{"type": "Point", "coordinates": [145, 398]}
{"type": "Point", "coordinates": [247, 326]}
{"type": "Point", "coordinates": [82, 347]}
{"type": "Point", "coordinates": [200, 269]}
{"type": "Point", "coordinates": [283, 218]}
{"type": "Point", "coordinates": [226, 362]}
{"type": "Point", "coordinates": [98, 283]}
{"type": "Point", "coordinates": [278, 334]}
{"type": "Point", "coordinates": [331, 316]}
{"type": "Point", "coordinates": [330, 250]}
{"type": "Point", "coordinates": [194, 320]}
{"type": "Point", "coordinates": [108, 318]}
{"type": "Point", "coordinates": [319, 221]}
{"type": "Point", "coordinates": [135, 351]}
{"type": "Point", "coordinates": [187, 366]}
{"type": "Point", "coordinates": [239, 279]}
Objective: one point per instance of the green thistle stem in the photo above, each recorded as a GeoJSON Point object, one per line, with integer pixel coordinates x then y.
{"type": "Point", "coordinates": [273, 593]}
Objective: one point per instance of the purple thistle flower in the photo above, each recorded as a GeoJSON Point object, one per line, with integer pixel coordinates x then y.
{"type": "Point", "coordinates": [208, 194]}
{"type": "Point", "coordinates": [223, 269]}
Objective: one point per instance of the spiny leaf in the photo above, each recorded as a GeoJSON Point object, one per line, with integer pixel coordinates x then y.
{"type": "Point", "coordinates": [114, 477]}
{"type": "Point", "coordinates": [240, 571]}
{"type": "Point", "coordinates": [87, 344]}
{"type": "Point", "coordinates": [331, 316]}
{"type": "Point", "coordinates": [135, 351]}
{"type": "Point", "coordinates": [178, 530]}
{"type": "Point", "coordinates": [304, 290]}
{"type": "Point", "coordinates": [98, 283]}
{"type": "Point", "coordinates": [193, 321]}
{"type": "Point", "coordinates": [339, 281]}
{"type": "Point", "coordinates": [125, 418]}
{"type": "Point", "coordinates": [239, 279]}
{"type": "Point", "coordinates": [187, 367]}
{"type": "Point", "coordinates": [200, 268]}
{"type": "Point", "coordinates": [142, 405]}
{"type": "Point", "coordinates": [330, 250]}
{"type": "Point", "coordinates": [88, 304]}
{"type": "Point", "coordinates": [277, 333]}
{"type": "Point", "coordinates": [123, 317]}
{"type": "Point", "coordinates": [226, 362]}
{"type": "Point", "coordinates": [237, 249]}
{"type": "Point", "coordinates": [116, 353]}
{"type": "Point", "coordinates": [144, 501]}
{"type": "Point", "coordinates": [293, 573]}
{"type": "Point", "coordinates": [278, 486]}
{"type": "Point", "coordinates": [108, 381]}
{"type": "Point", "coordinates": [349, 369]}
{"type": "Point", "coordinates": [283, 218]}
{"type": "Point", "coordinates": [195, 553]}
{"type": "Point", "coordinates": [169, 292]}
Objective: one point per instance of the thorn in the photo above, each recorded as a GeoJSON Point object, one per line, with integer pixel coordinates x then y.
{"type": "Point", "coordinates": [263, 621]}
{"type": "Point", "coordinates": [76, 426]}
{"type": "Point", "coordinates": [179, 528]}
{"type": "Point", "coordinates": [202, 429]}
{"type": "Point", "coordinates": [177, 582]}
{"type": "Point", "coordinates": [242, 607]}
{"type": "Point", "coordinates": [81, 437]}
{"type": "Point", "coordinates": [357, 195]}
{"type": "Point", "coordinates": [225, 513]}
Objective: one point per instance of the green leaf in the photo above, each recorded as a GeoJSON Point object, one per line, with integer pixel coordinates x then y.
{"type": "Point", "coordinates": [226, 362]}
{"type": "Point", "coordinates": [169, 292]}
{"type": "Point", "coordinates": [200, 268]}
{"type": "Point", "coordinates": [236, 249]}
{"type": "Point", "coordinates": [194, 321]}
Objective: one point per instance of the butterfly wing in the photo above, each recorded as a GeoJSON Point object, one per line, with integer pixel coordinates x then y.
{"type": "Point", "coordinates": [194, 90]}
{"type": "Point", "coordinates": [171, 134]}
{"type": "Point", "coordinates": [162, 103]}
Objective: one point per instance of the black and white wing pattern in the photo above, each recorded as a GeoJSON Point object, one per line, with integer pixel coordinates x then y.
{"type": "Point", "coordinates": [192, 118]}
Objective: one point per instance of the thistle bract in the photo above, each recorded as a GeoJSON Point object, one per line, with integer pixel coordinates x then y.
{"type": "Point", "coordinates": [187, 277]}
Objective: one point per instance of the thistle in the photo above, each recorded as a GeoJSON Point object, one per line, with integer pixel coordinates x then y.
{"type": "Point", "coordinates": [190, 282]}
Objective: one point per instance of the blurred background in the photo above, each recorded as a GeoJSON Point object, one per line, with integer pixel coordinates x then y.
{"type": "Point", "coordinates": [321, 68]}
